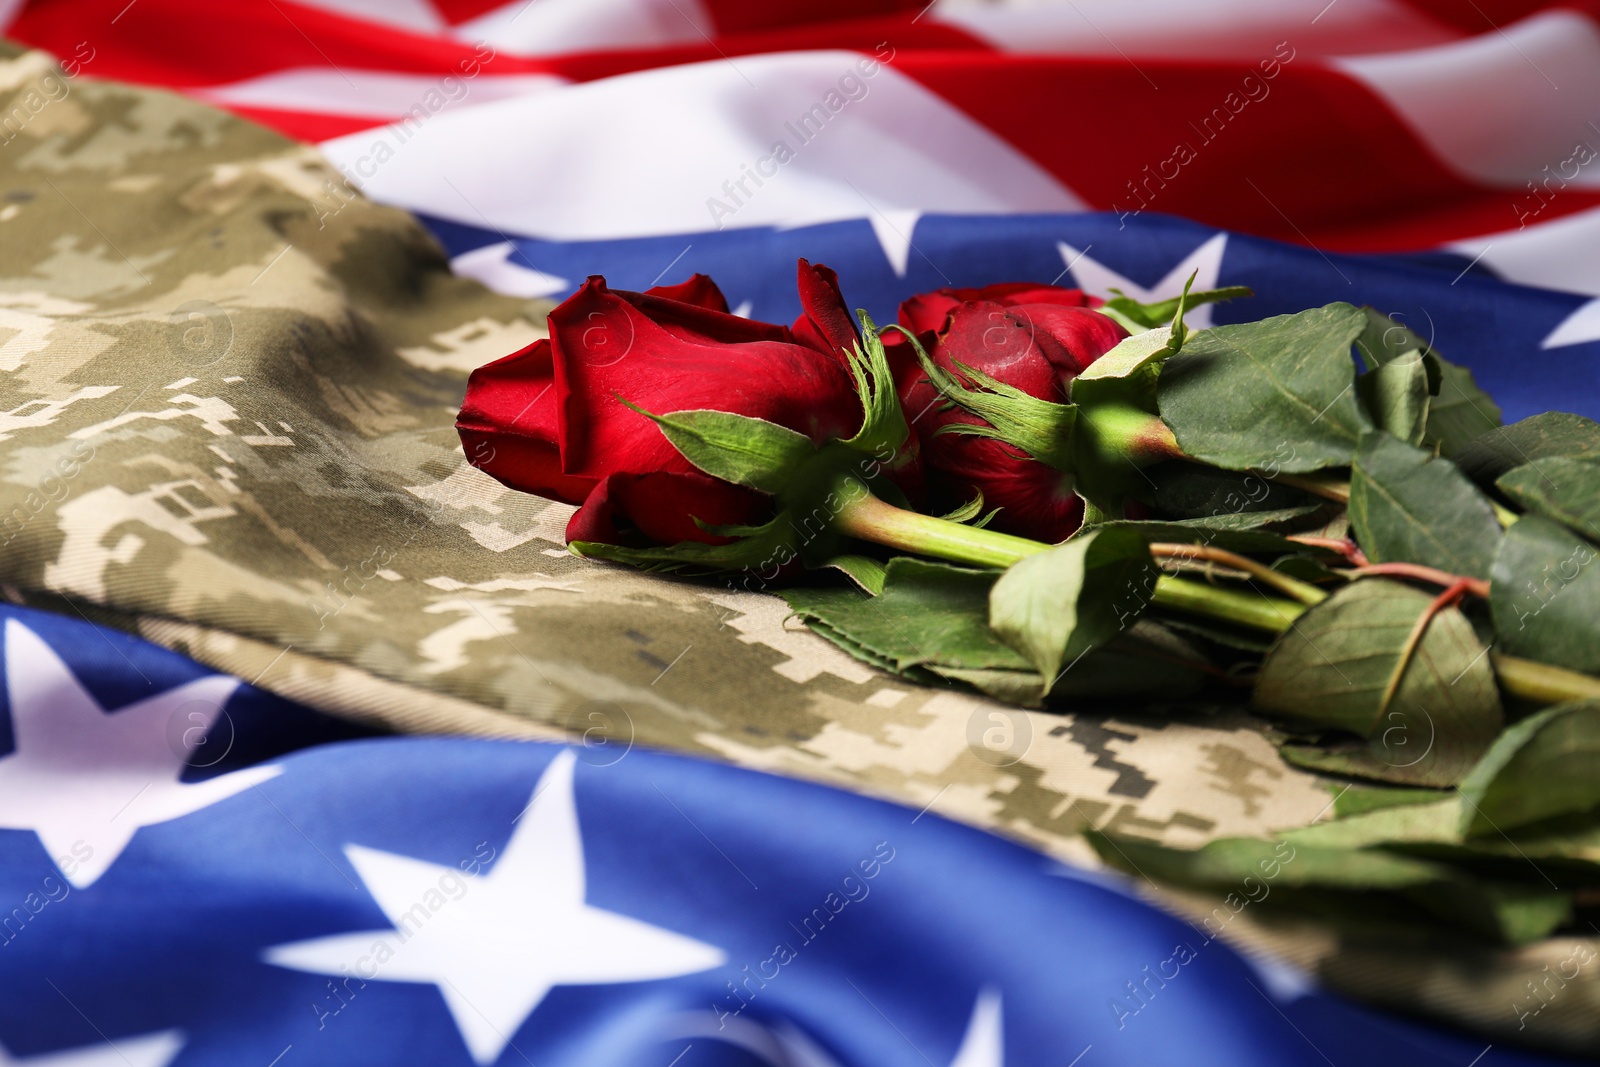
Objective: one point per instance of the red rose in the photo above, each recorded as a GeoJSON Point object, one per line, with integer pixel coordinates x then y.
{"type": "Point", "coordinates": [550, 419]}
{"type": "Point", "coordinates": [1036, 338]}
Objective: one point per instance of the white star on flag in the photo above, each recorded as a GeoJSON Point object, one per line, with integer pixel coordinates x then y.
{"type": "Point", "coordinates": [496, 266]}
{"type": "Point", "coordinates": [984, 1044]}
{"type": "Point", "coordinates": [1578, 328]}
{"type": "Point", "coordinates": [498, 947]}
{"type": "Point", "coordinates": [147, 1050]}
{"type": "Point", "coordinates": [893, 228]}
{"type": "Point", "coordinates": [1098, 279]}
{"type": "Point", "coordinates": [85, 779]}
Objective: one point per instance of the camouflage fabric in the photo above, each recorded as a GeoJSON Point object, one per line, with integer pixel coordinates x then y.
{"type": "Point", "coordinates": [227, 393]}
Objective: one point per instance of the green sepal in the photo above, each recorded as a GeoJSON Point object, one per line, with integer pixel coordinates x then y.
{"type": "Point", "coordinates": [883, 424]}
{"type": "Point", "coordinates": [786, 465]}
{"type": "Point", "coordinates": [740, 449]}
{"type": "Point", "coordinates": [971, 513]}
{"type": "Point", "coordinates": [1040, 428]}
{"type": "Point", "coordinates": [755, 549]}
{"type": "Point", "coordinates": [1134, 316]}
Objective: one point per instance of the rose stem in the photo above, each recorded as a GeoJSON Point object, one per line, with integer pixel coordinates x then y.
{"type": "Point", "coordinates": [1343, 546]}
{"type": "Point", "coordinates": [1476, 586]}
{"type": "Point", "coordinates": [870, 519]}
{"type": "Point", "coordinates": [1318, 484]}
{"type": "Point", "coordinates": [1304, 592]}
{"type": "Point", "coordinates": [1541, 683]}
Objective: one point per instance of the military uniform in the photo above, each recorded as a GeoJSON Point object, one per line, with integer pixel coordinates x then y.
{"type": "Point", "coordinates": [228, 385]}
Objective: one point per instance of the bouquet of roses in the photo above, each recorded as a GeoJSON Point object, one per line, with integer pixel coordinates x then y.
{"type": "Point", "coordinates": [1049, 498]}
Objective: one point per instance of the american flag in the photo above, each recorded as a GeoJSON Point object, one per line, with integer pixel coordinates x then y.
{"type": "Point", "coordinates": [195, 871]}
{"type": "Point", "coordinates": [1432, 158]}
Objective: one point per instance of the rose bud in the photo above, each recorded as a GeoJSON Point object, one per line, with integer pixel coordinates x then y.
{"type": "Point", "coordinates": [1034, 338]}
{"type": "Point", "coordinates": [551, 419]}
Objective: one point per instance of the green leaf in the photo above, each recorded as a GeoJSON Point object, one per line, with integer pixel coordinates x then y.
{"type": "Point", "coordinates": [1540, 437]}
{"type": "Point", "coordinates": [928, 613]}
{"type": "Point", "coordinates": [1460, 412]}
{"type": "Point", "coordinates": [1226, 862]}
{"type": "Point", "coordinates": [1238, 638]}
{"type": "Point", "coordinates": [1131, 354]}
{"type": "Point", "coordinates": [1396, 396]}
{"type": "Point", "coordinates": [1013, 687]}
{"type": "Point", "coordinates": [1333, 667]}
{"type": "Point", "coordinates": [1055, 606]}
{"type": "Point", "coordinates": [1144, 663]}
{"type": "Point", "coordinates": [736, 448]}
{"type": "Point", "coordinates": [1386, 758]}
{"type": "Point", "coordinates": [1192, 491]}
{"type": "Point", "coordinates": [865, 571]}
{"type": "Point", "coordinates": [1128, 372]}
{"type": "Point", "coordinates": [1565, 848]}
{"type": "Point", "coordinates": [1220, 533]}
{"type": "Point", "coordinates": [930, 622]}
{"type": "Point", "coordinates": [1385, 340]}
{"type": "Point", "coordinates": [1510, 912]}
{"type": "Point", "coordinates": [1408, 506]}
{"type": "Point", "coordinates": [1560, 488]}
{"type": "Point", "coordinates": [1135, 316]}
{"type": "Point", "coordinates": [1279, 392]}
{"type": "Point", "coordinates": [1248, 868]}
{"type": "Point", "coordinates": [1271, 519]}
{"type": "Point", "coordinates": [1359, 799]}
{"type": "Point", "coordinates": [1147, 661]}
{"type": "Point", "coordinates": [1544, 595]}
{"type": "Point", "coordinates": [1574, 840]}
{"type": "Point", "coordinates": [1541, 767]}
{"type": "Point", "coordinates": [1424, 817]}
{"type": "Point", "coordinates": [861, 652]}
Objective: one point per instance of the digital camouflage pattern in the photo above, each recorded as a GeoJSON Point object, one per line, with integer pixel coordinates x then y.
{"type": "Point", "coordinates": [227, 393]}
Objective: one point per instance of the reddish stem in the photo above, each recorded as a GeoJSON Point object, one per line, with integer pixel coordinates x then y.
{"type": "Point", "coordinates": [1476, 586]}
{"type": "Point", "coordinates": [1345, 547]}
{"type": "Point", "coordinates": [1457, 589]}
